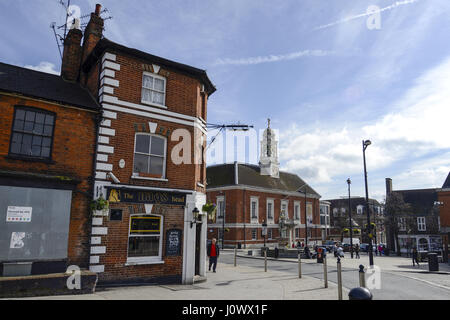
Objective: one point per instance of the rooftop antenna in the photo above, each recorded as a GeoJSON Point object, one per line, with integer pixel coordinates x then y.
{"type": "Point", "coordinates": [74, 19]}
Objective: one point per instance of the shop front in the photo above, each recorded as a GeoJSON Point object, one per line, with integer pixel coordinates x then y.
{"type": "Point", "coordinates": [147, 237]}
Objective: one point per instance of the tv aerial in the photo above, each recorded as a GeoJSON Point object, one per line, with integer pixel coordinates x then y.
{"type": "Point", "coordinates": [73, 20]}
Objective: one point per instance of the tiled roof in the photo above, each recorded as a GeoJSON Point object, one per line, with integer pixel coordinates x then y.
{"type": "Point", "coordinates": [249, 175]}
{"type": "Point", "coordinates": [447, 182]}
{"type": "Point", "coordinates": [105, 44]}
{"type": "Point", "coordinates": [41, 85]}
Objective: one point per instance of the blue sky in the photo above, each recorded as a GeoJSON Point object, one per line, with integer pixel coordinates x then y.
{"type": "Point", "coordinates": [314, 67]}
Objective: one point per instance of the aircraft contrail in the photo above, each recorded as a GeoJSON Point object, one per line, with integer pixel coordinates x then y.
{"type": "Point", "coordinates": [392, 6]}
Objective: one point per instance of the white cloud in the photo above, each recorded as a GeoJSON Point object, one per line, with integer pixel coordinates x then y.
{"type": "Point", "coordinates": [417, 127]}
{"type": "Point", "coordinates": [44, 66]}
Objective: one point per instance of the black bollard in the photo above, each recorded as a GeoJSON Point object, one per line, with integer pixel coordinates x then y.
{"type": "Point", "coordinates": [360, 294]}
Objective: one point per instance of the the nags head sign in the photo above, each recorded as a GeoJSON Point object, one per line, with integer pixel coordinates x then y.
{"type": "Point", "coordinates": [115, 195]}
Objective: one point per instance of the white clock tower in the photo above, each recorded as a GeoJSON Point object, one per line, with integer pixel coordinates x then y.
{"type": "Point", "coordinates": [268, 160]}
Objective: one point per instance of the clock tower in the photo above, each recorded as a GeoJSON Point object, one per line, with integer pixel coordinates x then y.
{"type": "Point", "coordinates": [268, 160]}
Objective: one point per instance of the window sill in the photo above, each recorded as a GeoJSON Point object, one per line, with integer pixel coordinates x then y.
{"type": "Point", "coordinates": [29, 159]}
{"type": "Point", "coordinates": [148, 178]}
{"type": "Point", "coordinates": [133, 262]}
{"type": "Point", "coordinates": [153, 104]}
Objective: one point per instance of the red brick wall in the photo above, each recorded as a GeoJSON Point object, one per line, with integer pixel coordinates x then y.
{"type": "Point", "coordinates": [117, 248]}
{"type": "Point", "coordinates": [234, 204]}
{"type": "Point", "coordinates": [74, 139]}
{"type": "Point", "coordinates": [444, 197]}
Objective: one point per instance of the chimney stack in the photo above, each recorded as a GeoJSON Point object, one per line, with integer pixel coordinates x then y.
{"type": "Point", "coordinates": [70, 67]}
{"type": "Point", "coordinates": [93, 32]}
{"type": "Point", "coordinates": [388, 187]}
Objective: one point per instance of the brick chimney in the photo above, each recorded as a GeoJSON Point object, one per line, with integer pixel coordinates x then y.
{"type": "Point", "coordinates": [71, 61]}
{"type": "Point", "coordinates": [93, 32]}
{"type": "Point", "coordinates": [388, 187]}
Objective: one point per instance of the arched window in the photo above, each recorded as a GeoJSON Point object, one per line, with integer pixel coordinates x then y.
{"type": "Point", "coordinates": [150, 155]}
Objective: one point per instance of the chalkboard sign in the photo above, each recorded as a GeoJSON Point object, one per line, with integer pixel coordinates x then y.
{"type": "Point", "coordinates": [173, 242]}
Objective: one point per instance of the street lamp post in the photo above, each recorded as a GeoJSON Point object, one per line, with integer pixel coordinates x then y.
{"type": "Point", "coordinates": [264, 232]}
{"type": "Point", "coordinates": [351, 223]}
{"type": "Point", "coordinates": [365, 144]}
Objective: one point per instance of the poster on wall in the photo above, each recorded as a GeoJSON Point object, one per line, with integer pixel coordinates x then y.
{"type": "Point", "coordinates": [17, 240]}
{"type": "Point", "coordinates": [18, 214]}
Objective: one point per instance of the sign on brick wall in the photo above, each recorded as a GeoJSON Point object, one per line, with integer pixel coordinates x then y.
{"type": "Point", "coordinates": [142, 196]}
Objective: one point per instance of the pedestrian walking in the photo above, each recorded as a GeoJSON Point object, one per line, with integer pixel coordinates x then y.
{"type": "Point", "coordinates": [340, 252]}
{"type": "Point", "coordinates": [415, 256]}
{"type": "Point", "coordinates": [357, 251]}
{"type": "Point", "coordinates": [213, 253]}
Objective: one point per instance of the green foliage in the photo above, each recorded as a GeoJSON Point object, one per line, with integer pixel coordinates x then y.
{"type": "Point", "coordinates": [100, 204]}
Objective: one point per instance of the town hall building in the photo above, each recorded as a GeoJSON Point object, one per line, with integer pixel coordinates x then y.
{"type": "Point", "coordinates": [249, 197]}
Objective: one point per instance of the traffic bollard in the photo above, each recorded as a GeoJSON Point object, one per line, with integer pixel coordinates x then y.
{"type": "Point", "coordinates": [339, 278]}
{"type": "Point", "coordinates": [299, 264]}
{"type": "Point", "coordinates": [235, 255]}
{"type": "Point", "coordinates": [265, 260]}
{"type": "Point", "coordinates": [362, 276]}
{"type": "Point", "coordinates": [325, 274]}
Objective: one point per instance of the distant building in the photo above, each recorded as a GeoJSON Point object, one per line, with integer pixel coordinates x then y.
{"type": "Point", "coordinates": [249, 195]}
{"type": "Point", "coordinates": [419, 226]}
{"type": "Point", "coordinates": [340, 218]}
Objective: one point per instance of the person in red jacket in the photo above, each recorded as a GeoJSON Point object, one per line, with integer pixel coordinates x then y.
{"type": "Point", "coordinates": [213, 254]}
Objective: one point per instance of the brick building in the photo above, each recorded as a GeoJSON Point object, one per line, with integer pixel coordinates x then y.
{"type": "Point", "coordinates": [152, 133]}
{"type": "Point", "coordinates": [444, 213]}
{"type": "Point", "coordinates": [418, 226]}
{"type": "Point", "coordinates": [248, 195]}
{"type": "Point", "coordinates": [46, 126]}
{"type": "Point", "coordinates": [340, 218]}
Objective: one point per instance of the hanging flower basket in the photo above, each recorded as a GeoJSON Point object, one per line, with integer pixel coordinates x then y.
{"type": "Point", "coordinates": [210, 209]}
{"type": "Point", "coordinates": [356, 231]}
{"type": "Point", "coordinates": [101, 205]}
{"type": "Point", "coordinates": [345, 230]}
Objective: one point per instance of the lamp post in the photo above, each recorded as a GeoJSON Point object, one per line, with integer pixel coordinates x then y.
{"type": "Point", "coordinates": [365, 144]}
{"type": "Point", "coordinates": [351, 223]}
{"type": "Point", "coordinates": [264, 232]}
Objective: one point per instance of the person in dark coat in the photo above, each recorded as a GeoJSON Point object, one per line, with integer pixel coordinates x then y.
{"type": "Point", "coordinates": [357, 251]}
{"type": "Point", "coordinates": [213, 253]}
{"type": "Point", "coordinates": [415, 257]}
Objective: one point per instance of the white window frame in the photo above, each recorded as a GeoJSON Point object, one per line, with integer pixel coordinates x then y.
{"type": "Point", "coordinates": [256, 201]}
{"type": "Point", "coordinates": [286, 202]}
{"type": "Point", "coordinates": [360, 209]}
{"type": "Point", "coordinates": [335, 212]}
{"type": "Point", "coordinates": [421, 224]}
{"type": "Point", "coordinates": [297, 205]}
{"type": "Point", "coordinates": [220, 199]}
{"type": "Point", "coordinates": [269, 233]}
{"type": "Point", "coordinates": [401, 224]}
{"type": "Point", "coordinates": [270, 220]}
{"type": "Point", "coordinates": [150, 74]}
{"type": "Point", "coordinates": [310, 205]}
{"type": "Point", "coordinates": [149, 259]}
{"type": "Point", "coordinates": [136, 174]}
{"type": "Point", "coordinates": [254, 234]}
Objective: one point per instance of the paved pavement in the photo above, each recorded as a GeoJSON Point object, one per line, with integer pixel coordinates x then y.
{"type": "Point", "coordinates": [399, 279]}
{"type": "Point", "coordinates": [228, 283]}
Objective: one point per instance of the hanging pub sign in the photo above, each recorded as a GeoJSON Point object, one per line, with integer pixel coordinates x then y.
{"type": "Point", "coordinates": [143, 196]}
{"type": "Point", "coordinates": [173, 242]}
